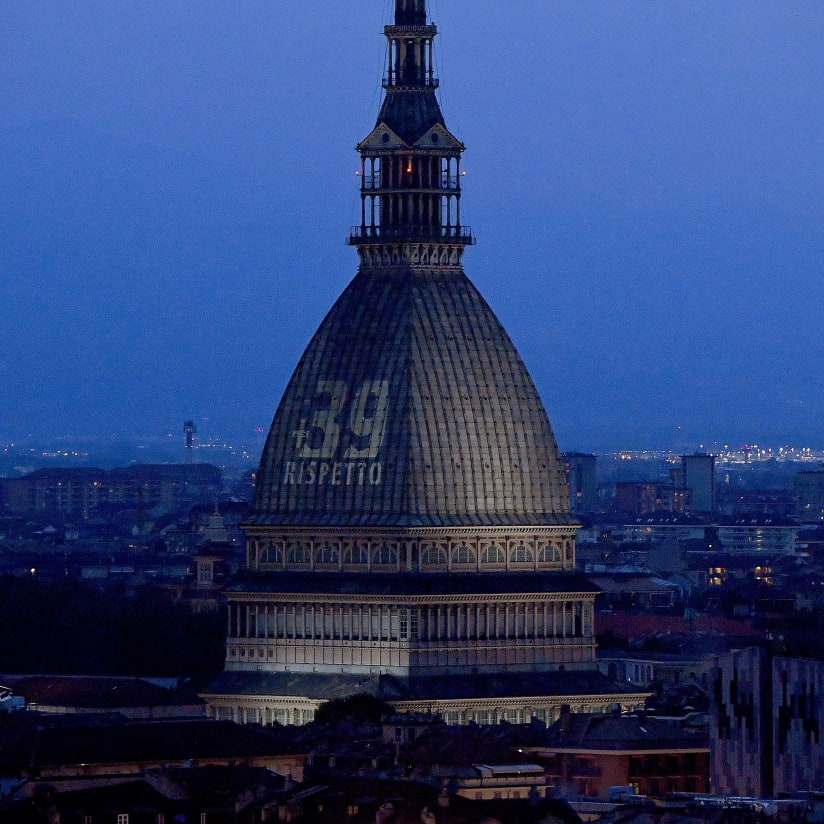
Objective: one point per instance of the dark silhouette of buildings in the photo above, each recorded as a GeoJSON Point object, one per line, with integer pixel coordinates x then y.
{"type": "Point", "coordinates": [85, 493]}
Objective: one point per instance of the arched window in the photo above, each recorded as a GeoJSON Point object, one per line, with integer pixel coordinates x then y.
{"type": "Point", "coordinates": [463, 554]}
{"type": "Point", "coordinates": [521, 554]}
{"type": "Point", "coordinates": [432, 555]}
{"type": "Point", "coordinates": [356, 555]}
{"type": "Point", "coordinates": [492, 554]}
{"type": "Point", "coordinates": [384, 555]}
{"type": "Point", "coordinates": [271, 554]}
{"type": "Point", "coordinates": [549, 554]}
{"type": "Point", "coordinates": [327, 554]}
{"type": "Point", "coordinates": [298, 554]}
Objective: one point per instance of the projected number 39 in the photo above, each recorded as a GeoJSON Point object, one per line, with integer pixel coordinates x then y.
{"type": "Point", "coordinates": [344, 425]}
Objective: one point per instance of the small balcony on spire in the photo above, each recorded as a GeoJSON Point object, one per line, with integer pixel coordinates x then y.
{"type": "Point", "coordinates": [410, 57]}
{"type": "Point", "coordinates": [453, 235]}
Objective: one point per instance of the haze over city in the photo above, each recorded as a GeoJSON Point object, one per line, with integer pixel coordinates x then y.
{"type": "Point", "coordinates": [645, 182]}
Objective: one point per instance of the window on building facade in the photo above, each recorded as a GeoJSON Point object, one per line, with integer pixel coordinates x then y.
{"type": "Point", "coordinates": [271, 554]}
{"type": "Point", "coordinates": [549, 554]}
{"type": "Point", "coordinates": [432, 555]}
{"type": "Point", "coordinates": [492, 554]}
{"type": "Point", "coordinates": [522, 554]}
{"type": "Point", "coordinates": [355, 555]}
{"type": "Point", "coordinates": [298, 554]}
{"type": "Point", "coordinates": [327, 554]}
{"type": "Point", "coordinates": [385, 556]}
{"type": "Point", "coordinates": [463, 554]}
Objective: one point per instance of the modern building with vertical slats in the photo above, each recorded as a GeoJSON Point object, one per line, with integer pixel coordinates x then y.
{"type": "Point", "coordinates": [410, 534]}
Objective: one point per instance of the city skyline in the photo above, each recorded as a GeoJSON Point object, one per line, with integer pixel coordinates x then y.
{"type": "Point", "coordinates": [649, 176]}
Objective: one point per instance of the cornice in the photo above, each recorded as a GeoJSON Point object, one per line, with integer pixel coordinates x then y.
{"type": "Point", "coordinates": [252, 596]}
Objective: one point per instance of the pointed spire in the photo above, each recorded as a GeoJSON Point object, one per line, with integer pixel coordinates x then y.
{"type": "Point", "coordinates": [410, 12]}
{"type": "Point", "coordinates": [410, 164]}
{"type": "Point", "coordinates": [410, 58]}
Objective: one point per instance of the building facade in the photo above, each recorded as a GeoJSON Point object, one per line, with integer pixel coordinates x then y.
{"type": "Point", "coordinates": [766, 724]}
{"type": "Point", "coordinates": [808, 490]}
{"type": "Point", "coordinates": [698, 475]}
{"type": "Point", "coordinates": [596, 756]}
{"type": "Point", "coordinates": [411, 533]}
{"type": "Point", "coordinates": [84, 493]}
{"type": "Point", "coordinates": [582, 478]}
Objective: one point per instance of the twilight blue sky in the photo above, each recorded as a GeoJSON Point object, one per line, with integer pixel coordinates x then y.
{"type": "Point", "coordinates": [645, 180]}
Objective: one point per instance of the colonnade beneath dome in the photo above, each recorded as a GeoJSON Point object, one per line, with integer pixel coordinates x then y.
{"type": "Point", "coordinates": [472, 635]}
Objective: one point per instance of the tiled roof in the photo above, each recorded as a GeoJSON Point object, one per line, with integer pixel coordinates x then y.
{"type": "Point", "coordinates": [465, 439]}
{"type": "Point", "coordinates": [391, 689]}
{"type": "Point", "coordinates": [410, 114]}
{"type": "Point", "coordinates": [308, 685]}
{"type": "Point", "coordinates": [621, 732]}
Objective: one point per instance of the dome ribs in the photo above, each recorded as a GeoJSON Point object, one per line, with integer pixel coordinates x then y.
{"type": "Point", "coordinates": [463, 435]}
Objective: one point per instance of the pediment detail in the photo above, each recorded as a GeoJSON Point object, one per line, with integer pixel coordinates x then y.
{"type": "Point", "coordinates": [381, 137]}
{"type": "Point", "coordinates": [439, 137]}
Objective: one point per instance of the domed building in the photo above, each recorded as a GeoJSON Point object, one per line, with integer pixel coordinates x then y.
{"type": "Point", "coordinates": [410, 533]}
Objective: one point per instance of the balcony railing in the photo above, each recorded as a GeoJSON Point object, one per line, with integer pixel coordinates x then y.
{"type": "Point", "coordinates": [426, 82]}
{"type": "Point", "coordinates": [428, 29]}
{"type": "Point", "coordinates": [372, 234]}
{"type": "Point", "coordinates": [372, 183]}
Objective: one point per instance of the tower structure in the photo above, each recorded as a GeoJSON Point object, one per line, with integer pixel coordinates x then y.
{"type": "Point", "coordinates": [698, 475]}
{"type": "Point", "coordinates": [410, 533]}
{"type": "Point", "coordinates": [189, 431]}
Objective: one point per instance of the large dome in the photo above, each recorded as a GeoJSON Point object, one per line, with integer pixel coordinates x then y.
{"type": "Point", "coordinates": [411, 407]}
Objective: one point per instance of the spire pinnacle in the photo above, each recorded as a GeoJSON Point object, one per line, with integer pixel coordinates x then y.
{"type": "Point", "coordinates": [410, 163]}
{"type": "Point", "coordinates": [410, 12]}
